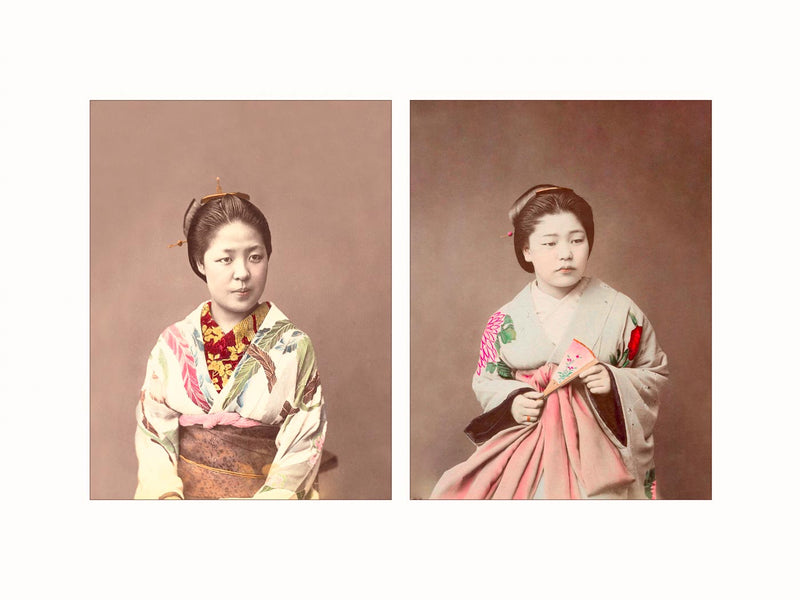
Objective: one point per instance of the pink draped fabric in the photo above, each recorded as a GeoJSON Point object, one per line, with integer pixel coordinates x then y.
{"type": "Point", "coordinates": [221, 418]}
{"type": "Point", "coordinates": [565, 450]}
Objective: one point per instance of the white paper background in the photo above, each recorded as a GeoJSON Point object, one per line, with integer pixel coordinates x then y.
{"type": "Point", "coordinates": [56, 57]}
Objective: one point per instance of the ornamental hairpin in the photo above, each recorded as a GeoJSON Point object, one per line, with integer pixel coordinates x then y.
{"type": "Point", "coordinates": [523, 200]}
{"type": "Point", "coordinates": [219, 194]}
{"type": "Point", "coordinates": [194, 205]}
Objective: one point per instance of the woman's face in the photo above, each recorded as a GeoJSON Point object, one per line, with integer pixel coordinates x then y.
{"type": "Point", "coordinates": [235, 266]}
{"type": "Point", "coordinates": [559, 251]}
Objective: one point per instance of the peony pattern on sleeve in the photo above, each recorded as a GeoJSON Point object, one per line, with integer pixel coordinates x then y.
{"type": "Point", "coordinates": [499, 330]}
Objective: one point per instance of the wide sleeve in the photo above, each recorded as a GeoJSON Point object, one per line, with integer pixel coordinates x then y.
{"type": "Point", "coordinates": [639, 375]}
{"type": "Point", "coordinates": [156, 438]}
{"type": "Point", "coordinates": [493, 381]}
{"type": "Point", "coordinates": [302, 433]}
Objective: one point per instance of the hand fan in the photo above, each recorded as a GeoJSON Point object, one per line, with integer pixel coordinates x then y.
{"type": "Point", "coordinates": [577, 359]}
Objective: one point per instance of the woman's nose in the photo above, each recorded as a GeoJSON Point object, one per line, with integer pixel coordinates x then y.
{"type": "Point", "coordinates": [565, 251]}
{"type": "Point", "coordinates": [241, 271]}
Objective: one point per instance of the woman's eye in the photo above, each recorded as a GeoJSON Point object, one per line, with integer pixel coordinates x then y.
{"type": "Point", "coordinates": [256, 258]}
{"type": "Point", "coordinates": [225, 261]}
{"type": "Point", "coordinates": [577, 241]}
{"type": "Point", "coordinates": [549, 244]}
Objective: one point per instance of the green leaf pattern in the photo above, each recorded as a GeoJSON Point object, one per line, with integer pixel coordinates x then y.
{"type": "Point", "coordinates": [505, 335]}
{"type": "Point", "coordinates": [248, 365]}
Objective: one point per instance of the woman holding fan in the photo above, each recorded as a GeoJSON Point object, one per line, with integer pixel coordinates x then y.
{"type": "Point", "coordinates": [590, 438]}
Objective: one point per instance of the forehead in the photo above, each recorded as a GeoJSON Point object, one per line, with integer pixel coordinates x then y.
{"type": "Point", "coordinates": [235, 235]}
{"type": "Point", "coordinates": [558, 224]}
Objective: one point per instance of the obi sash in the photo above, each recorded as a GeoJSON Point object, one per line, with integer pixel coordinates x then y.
{"type": "Point", "coordinates": [225, 461]}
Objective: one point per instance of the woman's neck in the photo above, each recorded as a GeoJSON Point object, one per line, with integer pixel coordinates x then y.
{"type": "Point", "coordinates": [556, 292]}
{"type": "Point", "coordinates": [226, 319]}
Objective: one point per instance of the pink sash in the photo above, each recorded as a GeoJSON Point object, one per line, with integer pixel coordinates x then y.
{"type": "Point", "coordinates": [209, 421]}
{"type": "Point", "coordinates": [567, 446]}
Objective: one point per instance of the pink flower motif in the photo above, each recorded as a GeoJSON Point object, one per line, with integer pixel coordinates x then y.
{"type": "Point", "coordinates": [488, 351]}
{"type": "Point", "coordinates": [316, 450]}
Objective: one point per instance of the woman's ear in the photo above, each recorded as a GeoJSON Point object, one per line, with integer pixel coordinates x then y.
{"type": "Point", "coordinates": [526, 252]}
{"type": "Point", "coordinates": [201, 268]}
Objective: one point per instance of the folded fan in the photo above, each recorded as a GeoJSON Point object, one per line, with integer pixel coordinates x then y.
{"type": "Point", "coordinates": [577, 359]}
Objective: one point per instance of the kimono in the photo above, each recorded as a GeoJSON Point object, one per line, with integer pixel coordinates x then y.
{"type": "Point", "coordinates": [268, 418]}
{"type": "Point", "coordinates": [583, 446]}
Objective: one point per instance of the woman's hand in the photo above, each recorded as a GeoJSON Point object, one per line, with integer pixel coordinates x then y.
{"type": "Point", "coordinates": [597, 380]}
{"type": "Point", "coordinates": [527, 408]}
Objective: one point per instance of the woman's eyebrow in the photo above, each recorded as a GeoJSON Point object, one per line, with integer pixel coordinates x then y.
{"type": "Point", "coordinates": [569, 233]}
{"type": "Point", "coordinates": [248, 249]}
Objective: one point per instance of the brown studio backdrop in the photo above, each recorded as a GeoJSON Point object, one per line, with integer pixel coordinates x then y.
{"type": "Point", "coordinates": [321, 173]}
{"type": "Point", "coordinates": [645, 167]}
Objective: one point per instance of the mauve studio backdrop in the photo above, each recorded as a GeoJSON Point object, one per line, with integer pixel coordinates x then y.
{"type": "Point", "coordinates": [645, 168]}
{"type": "Point", "coordinates": [321, 173]}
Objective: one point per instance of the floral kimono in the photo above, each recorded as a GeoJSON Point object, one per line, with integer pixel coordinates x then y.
{"type": "Point", "coordinates": [583, 446]}
{"type": "Point", "coordinates": [246, 405]}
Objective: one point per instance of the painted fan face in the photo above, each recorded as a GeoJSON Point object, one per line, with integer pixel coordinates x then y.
{"type": "Point", "coordinates": [559, 251]}
{"type": "Point", "coordinates": [235, 266]}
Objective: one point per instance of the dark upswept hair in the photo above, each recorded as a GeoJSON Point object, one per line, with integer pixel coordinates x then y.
{"type": "Point", "coordinates": [202, 221]}
{"type": "Point", "coordinates": [542, 200]}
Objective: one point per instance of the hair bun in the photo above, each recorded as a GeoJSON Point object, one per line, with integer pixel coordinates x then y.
{"type": "Point", "coordinates": [189, 215]}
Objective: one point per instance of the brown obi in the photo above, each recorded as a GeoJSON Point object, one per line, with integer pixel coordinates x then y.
{"type": "Point", "coordinates": [225, 461]}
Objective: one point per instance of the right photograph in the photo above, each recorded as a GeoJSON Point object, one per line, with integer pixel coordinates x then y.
{"type": "Point", "coordinates": [561, 283]}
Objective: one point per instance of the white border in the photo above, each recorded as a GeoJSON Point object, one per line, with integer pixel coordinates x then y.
{"type": "Point", "coordinates": [58, 56]}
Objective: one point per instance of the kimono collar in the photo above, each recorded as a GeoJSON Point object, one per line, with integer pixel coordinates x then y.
{"type": "Point", "coordinates": [586, 324]}
{"type": "Point", "coordinates": [590, 317]}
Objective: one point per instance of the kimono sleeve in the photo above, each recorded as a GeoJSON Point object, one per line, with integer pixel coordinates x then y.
{"type": "Point", "coordinates": [639, 370]}
{"type": "Point", "coordinates": [156, 437]}
{"type": "Point", "coordinates": [493, 381]}
{"type": "Point", "coordinates": [302, 434]}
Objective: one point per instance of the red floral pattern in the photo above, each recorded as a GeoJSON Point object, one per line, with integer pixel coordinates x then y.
{"type": "Point", "coordinates": [633, 343]}
{"type": "Point", "coordinates": [225, 350]}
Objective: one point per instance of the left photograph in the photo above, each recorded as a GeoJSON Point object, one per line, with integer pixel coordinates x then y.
{"type": "Point", "coordinates": [240, 287]}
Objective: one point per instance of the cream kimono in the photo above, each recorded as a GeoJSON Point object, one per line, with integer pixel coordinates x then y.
{"type": "Point", "coordinates": [276, 383]}
{"type": "Point", "coordinates": [583, 447]}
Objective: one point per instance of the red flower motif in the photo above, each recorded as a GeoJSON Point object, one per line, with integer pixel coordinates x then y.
{"type": "Point", "coordinates": [633, 344]}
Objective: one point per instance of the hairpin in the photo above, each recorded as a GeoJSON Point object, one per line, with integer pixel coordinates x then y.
{"type": "Point", "coordinates": [194, 205]}
{"type": "Point", "coordinates": [519, 205]}
{"type": "Point", "coordinates": [219, 194]}
{"type": "Point", "coordinates": [536, 193]}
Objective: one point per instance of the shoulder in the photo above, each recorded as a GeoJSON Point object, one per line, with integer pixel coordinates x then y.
{"type": "Point", "coordinates": [598, 286]}
{"type": "Point", "coordinates": [184, 329]}
{"type": "Point", "coordinates": [285, 334]}
{"type": "Point", "coordinates": [513, 306]}
{"type": "Point", "coordinates": [622, 304]}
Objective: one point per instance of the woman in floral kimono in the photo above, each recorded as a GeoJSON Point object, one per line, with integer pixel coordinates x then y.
{"type": "Point", "coordinates": [592, 438]}
{"type": "Point", "coordinates": [231, 404]}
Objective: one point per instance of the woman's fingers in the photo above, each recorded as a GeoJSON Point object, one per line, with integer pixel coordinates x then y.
{"type": "Point", "coordinates": [596, 379]}
{"type": "Point", "coordinates": [592, 373]}
{"type": "Point", "coordinates": [528, 404]}
{"type": "Point", "coordinates": [593, 370]}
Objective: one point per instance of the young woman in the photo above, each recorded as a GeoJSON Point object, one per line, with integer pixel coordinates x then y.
{"type": "Point", "coordinates": [231, 404]}
{"type": "Point", "coordinates": [592, 438]}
